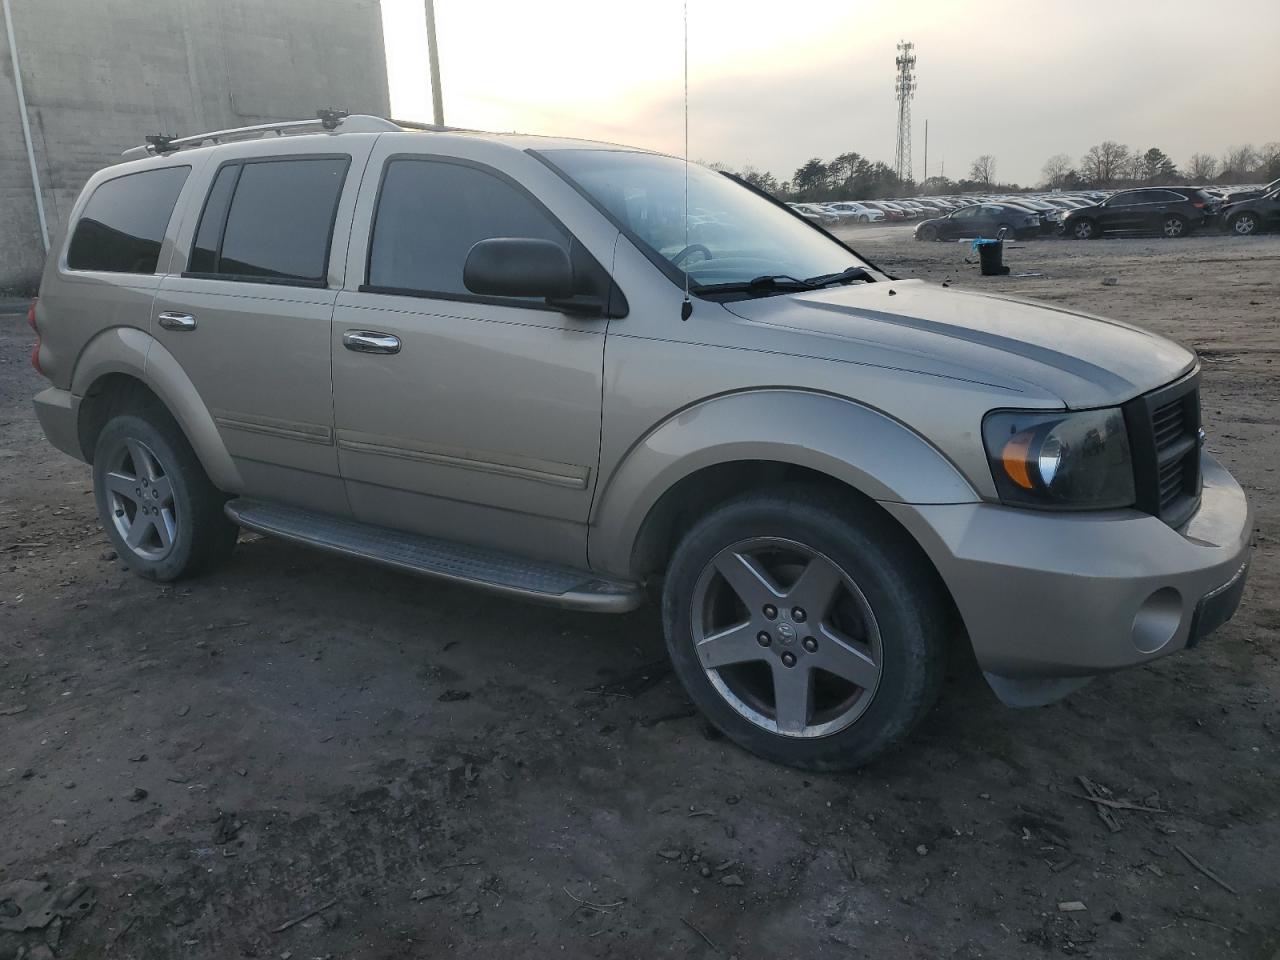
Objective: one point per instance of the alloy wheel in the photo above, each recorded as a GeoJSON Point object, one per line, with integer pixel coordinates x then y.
{"type": "Point", "coordinates": [1244, 224]}
{"type": "Point", "coordinates": [786, 637]}
{"type": "Point", "coordinates": [140, 498]}
{"type": "Point", "coordinates": [1173, 227]}
{"type": "Point", "coordinates": [1083, 230]}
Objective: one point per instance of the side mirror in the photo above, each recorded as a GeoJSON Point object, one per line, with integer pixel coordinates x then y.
{"type": "Point", "coordinates": [518, 267]}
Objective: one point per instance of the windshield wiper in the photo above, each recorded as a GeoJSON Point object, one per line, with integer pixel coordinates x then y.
{"type": "Point", "coordinates": [847, 275]}
{"type": "Point", "coordinates": [781, 282]}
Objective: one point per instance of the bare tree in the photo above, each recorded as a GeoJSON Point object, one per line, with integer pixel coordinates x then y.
{"type": "Point", "coordinates": [983, 170]}
{"type": "Point", "coordinates": [1105, 162]}
{"type": "Point", "coordinates": [1239, 161]}
{"type": "Point", "coordinates": [1055, 170]}
{"type": "Point", "coordinates": [1202, 167]}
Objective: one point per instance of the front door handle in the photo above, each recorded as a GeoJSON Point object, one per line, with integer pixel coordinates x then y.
{"type": "Point", "coordinates": [177, 321]}
{"type": "Point", "coordinates": [370, 341]}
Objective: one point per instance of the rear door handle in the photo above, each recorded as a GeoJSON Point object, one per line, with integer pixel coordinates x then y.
{"type": "Point", "coordinates": [177, 321]}
{"type": "Point", "coordinates": [370, 341]}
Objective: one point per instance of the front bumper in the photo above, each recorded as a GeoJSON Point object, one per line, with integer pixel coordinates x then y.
{"type": "Point", "coordinates": [1048, 595]}
{"type": "Point", "coordinates": [58, 413]}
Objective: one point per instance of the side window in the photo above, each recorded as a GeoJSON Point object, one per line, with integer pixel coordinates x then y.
{"type": "Point", "coordinates": [123, 224]}
{"type": "Point", "coordinates": [971, 211]}
{"type": "Point", "coordinates": [270, 221]}
{"type": "Point", "coordinates": [432, 212]}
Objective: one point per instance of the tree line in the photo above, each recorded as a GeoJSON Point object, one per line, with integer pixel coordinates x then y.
{"type": "Point", "coordinates": [1112, 164]}
{"type": "Point", "coordinates": [851, 176]}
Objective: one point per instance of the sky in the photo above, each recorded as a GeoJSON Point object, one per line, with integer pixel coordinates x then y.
{"type": "Point", "coordinates": [772, 84]}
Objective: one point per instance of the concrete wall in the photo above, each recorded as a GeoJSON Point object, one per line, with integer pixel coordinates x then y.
{"type": "Point", "coordinates": [102, 74]}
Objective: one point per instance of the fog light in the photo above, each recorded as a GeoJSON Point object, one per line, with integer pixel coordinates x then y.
{"type": "Point", "coordinates": [1157, 620]}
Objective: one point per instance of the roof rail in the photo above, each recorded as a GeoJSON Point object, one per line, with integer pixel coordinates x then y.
{"type": "Point", "coordinates": [325, 120]}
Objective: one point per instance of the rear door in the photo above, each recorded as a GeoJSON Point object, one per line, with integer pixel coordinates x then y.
{"type": "Point", "coordinates": [247, 312]}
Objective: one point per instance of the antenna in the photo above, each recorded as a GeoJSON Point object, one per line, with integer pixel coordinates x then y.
{"type": "Point", "coordinates": [686, 307]}
{"type": "Point", "coordinates": [905, 88]}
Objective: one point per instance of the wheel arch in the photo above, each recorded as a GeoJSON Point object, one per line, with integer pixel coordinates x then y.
{"type": "Point", "coordinates": [123, 370]}
{"type": "Point", "coordinates": [722, 446]}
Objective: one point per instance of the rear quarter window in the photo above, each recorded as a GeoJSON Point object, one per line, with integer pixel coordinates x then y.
{"type": "Point", "coordinates": [122, 227]}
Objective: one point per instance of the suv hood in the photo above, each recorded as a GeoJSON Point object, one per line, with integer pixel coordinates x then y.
{"type": "Point", "coordinates": [1085, 360]}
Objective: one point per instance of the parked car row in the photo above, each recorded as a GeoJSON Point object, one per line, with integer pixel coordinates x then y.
{"type": "Point", "coordinates": [1163, 211]}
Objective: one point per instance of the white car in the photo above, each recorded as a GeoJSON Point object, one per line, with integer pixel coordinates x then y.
{"type": "Point", "coordinates": [848, 210]}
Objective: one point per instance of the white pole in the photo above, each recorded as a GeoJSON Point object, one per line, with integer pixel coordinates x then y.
{"type": "Point", "coordinates": [26, 126]}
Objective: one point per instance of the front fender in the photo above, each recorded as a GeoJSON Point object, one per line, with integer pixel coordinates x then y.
{"type": "Point", "coordinates": [870, 451]}
{"type": "Point", "coordinates": [135, 353]}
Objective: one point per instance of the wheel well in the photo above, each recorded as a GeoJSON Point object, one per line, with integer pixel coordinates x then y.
{"type": "Point", "coordinates": [110, 396]}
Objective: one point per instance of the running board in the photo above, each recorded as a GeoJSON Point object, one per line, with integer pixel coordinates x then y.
{"type": "Point", "coordinates": [479, 567]}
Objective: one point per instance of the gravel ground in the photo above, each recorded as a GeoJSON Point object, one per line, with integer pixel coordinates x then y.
{"type": "Point", "coordinates": [444, 772]}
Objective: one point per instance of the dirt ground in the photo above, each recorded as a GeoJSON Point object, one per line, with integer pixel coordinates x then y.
{"type": "Point", "coordinates": [450, 774]}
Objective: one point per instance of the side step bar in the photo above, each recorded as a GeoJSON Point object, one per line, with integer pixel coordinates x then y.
{"type": "Point", "coordinates": [487, 569]}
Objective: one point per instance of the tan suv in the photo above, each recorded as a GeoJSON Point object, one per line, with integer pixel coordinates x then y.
{"type": "Point", "coordinates": [535, 366]}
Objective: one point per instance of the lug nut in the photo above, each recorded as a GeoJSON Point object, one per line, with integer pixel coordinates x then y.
{"type": "Point", "coordinates": [798, 615]}
{"type": "Point", "coordinates": [770, 611]}
{"type": "Point", "coordinates": [811, 644]}
{"type": "Point", "coordinates": [763, 639]}
{"type": "Point", "coordinates": [789, 659]}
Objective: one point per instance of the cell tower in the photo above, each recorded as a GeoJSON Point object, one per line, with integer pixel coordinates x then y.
{"type": "Point", "coordinates": [905, 87]}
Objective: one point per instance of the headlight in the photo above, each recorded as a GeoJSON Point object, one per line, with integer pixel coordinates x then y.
{"type": "Point", "coordinates": [1063, 461]}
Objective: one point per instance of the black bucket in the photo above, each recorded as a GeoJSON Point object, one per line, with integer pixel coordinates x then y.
{"type": "Point", "coordinates": [991, 256]}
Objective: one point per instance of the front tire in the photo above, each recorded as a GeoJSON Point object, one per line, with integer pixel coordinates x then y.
{"type": "Point", "coordinates": [927, 232]}
{"type": "Point", "coordinates": [811, 632]}
{"type": "Point", "coordinates": [1244, 224]}
{"type": "Point", "coordinates": [160, 510]}
{"type": "Point", "coordinates": [1085, 230]}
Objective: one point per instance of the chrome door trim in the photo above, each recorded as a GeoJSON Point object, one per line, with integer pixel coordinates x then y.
{"type": "Point", "coordinates": [370, 341]}
{"type": "Point", "coordinates": [569, 476]}
{"type": "Point", "coordinates": [178, 322]}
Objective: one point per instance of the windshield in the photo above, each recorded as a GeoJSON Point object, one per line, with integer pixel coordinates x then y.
{"type": "Point", "coordinates": [733, 235]}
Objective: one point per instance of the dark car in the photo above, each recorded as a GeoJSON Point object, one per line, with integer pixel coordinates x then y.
{"type": "Point", "coordinates": [1246, 217]}
{"type": "Point", "coordinates": [1169, 211]}
{"type": "Point", "coordinates": [980, 220]}
{"type": "Point", "coordinates": [1235, 196]}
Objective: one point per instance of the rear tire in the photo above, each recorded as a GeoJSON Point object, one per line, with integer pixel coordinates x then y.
{"type": "Point", "coordinates": [159, 509]}
{"type": "Point", "coordinates": [829, 660]}
{"type": "Point", "coordinates": [1174, 227]}
{"type": "Point", "coordinates": [1085, 230]}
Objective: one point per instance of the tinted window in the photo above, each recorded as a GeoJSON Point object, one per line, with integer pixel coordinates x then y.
{"type": "Point", "coordinates": [204, 255]}
{"type": "Point", "coordinates": [123, 223]}
{"type": "Point", "coordinates": [278, 224]}
{"type": "Point", "coordinates": [431, 213]}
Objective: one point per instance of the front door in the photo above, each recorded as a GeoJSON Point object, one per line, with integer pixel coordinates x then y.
{"type": "Point", "coordinates": [459, 416]}
{"type": "Point", "coordinates": [248, 318]}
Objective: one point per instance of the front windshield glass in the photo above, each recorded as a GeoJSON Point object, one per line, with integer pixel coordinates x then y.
{"type": "Point", "coordinates": [733, 235]}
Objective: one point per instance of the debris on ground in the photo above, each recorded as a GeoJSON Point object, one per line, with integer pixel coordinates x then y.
{"type": "Point", "coordinates": [225, 828]}
{"type": "Point", "coordinates": [1110, 281]}
{"type": "Point", "coordinates": [1205, 870]}
{"type": "Point", "coordinates": [305, 916]}
{"type": "Point", "coordinates": [34, 904]}
{"type": "Point", "coordinates": [1071, 906]}
{"type": "Point", "coordinates": [1097, 792]}
{"type": "Point", "coordinates": [453, 696]}
{"type": "Point", "coordinates": [434, 893]}
{"type": "Point", "coordinates": [635, 682]}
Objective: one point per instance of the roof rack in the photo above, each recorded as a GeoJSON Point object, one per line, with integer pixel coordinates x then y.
{"type": "Point", "coordinates": [325, 120]}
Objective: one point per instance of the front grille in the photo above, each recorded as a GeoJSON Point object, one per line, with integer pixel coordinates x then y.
{"type": "Point", "coordinates": [1164, 434]}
